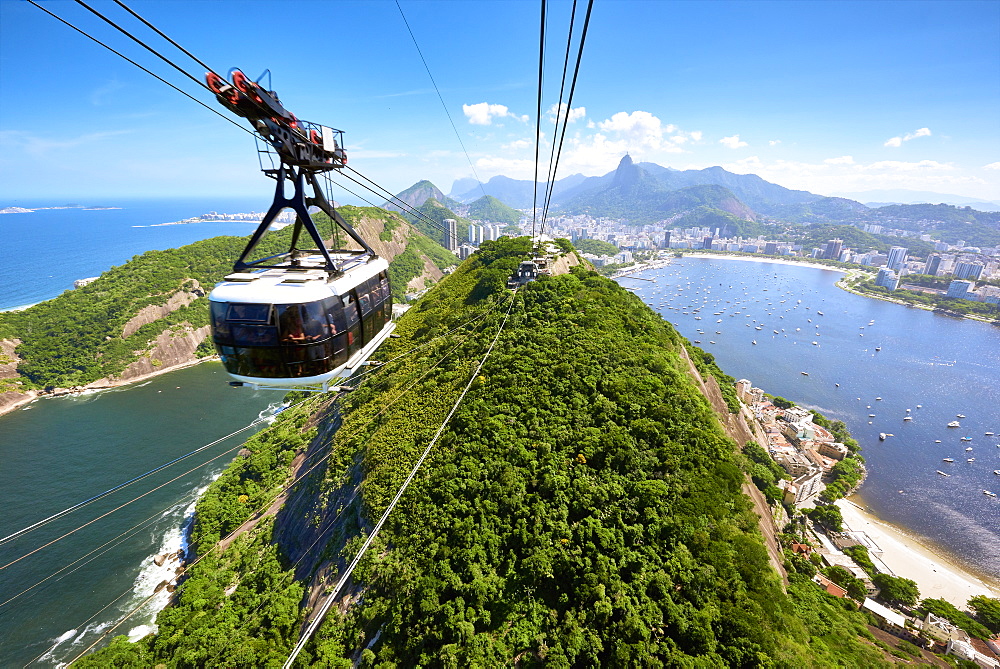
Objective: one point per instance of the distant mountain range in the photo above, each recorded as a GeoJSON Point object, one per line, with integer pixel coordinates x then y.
{"type": "Point", "coordinates": [880, 198]}
{"type": "Point", "coordinates": [737, 204]}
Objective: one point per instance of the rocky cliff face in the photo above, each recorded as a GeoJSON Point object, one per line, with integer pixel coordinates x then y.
{"type": "Point", "coordinates": [171, 348]}
{"type": "Point", "coordinates": [155, 312]}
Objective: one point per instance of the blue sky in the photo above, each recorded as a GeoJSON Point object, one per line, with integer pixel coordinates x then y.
{"type": "Point", "coordinates": [829, 97]}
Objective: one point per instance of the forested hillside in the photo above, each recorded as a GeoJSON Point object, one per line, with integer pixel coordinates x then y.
{"type": "Point", "coordinates": [582, 508]}
{"type": "Point", "coordinates": [135, 311]}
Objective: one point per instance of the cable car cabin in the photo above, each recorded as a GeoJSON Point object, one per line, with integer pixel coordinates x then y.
{"type": "Point", "coordinates": [294, 327]}
{"type": "Point", "coordinates": [527, 271]}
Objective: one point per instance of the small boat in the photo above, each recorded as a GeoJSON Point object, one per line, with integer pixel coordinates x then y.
{"type": "Point", "coordinates": [954, 423]}
{"type": "Point", "coordinates": [942, 473]}
{"type": "Point", "coordinates": [878, 348]}
{"type": "Point", "coordinates": [907, 411]}
{"type": "Point", "coordinates": [988, 434]}
{"type": "Point", "coordinates": [959, 415]}
{"type": "Point", "coordinates": [971, 460]}
{"type": "Point", "coordinates": [871, 415]}
{"type": "Point", "coordinates": [937, 441]}
{"type": "Point", "coordinates": [920, 406]}
{"type": "Point", "coordinates": [754, 342]}
{"type": "Point", "coordinates": [711, 342]}
{"type": "Point", "coordinates": [969, 448]}
{"type": "Point", "coordinates": [990, 494]}
{"type": "Point", "coordinates": [697, 341]}
{"type": "Point", "coordinates": [997, 472]}
{"type": "Point", "coordinates": [815, 343]}
{"type": "Point", "coordinates": [820, 313]}
{"type": "Point", "coordinates": [948, 460]}
{"type": "Point", "coordinates": [966, 439]}
{"type": "Point", "coordinates": [881, 436]}
{"type": "Point", "coordinates": [837, 384]}
{"type": "Point", "coordinates": [907, 417]}
{"type": "Point", "coordinates": [804, 373]}
{"type": "Point", "coordinates": [878, 399]}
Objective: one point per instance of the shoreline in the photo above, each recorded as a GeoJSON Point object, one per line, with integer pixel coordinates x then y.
{"type": "Point", "coordinates": [33, 395]}
{"type": "Point", "coordinates": [936, 573]}
{"type": "Point", "coordinates": [770, 260]}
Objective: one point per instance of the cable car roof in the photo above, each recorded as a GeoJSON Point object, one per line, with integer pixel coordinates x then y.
{"type": "Point", "coordinates": [293, 284]}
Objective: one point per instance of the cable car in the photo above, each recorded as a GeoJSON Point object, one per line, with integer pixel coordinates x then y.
{"type": "Point", "coordinates": [302, 318]}
{"type": "Point", "coordinates": [295, 327]}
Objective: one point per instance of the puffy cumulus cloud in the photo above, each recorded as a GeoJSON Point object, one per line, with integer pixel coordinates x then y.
{"type": "Point", "coordinates": [733, 142]}
{"type": "Point", "coordinates": [483, 113]}
{"type": "Point", "coordinates": [992, 166]}
{"type": "Point", "coordinates": [574, 114]}
{"type": "Point", "coordinates": [842, 160]}
{"type": "Point", "coordinates": [896, 142]}
{"type": "Point", "coordinates": [683, 137]}
{"type": "Point", "coordinates": [639, 130]}
{"type": "Point", "coordinates": [517, 145]}
{"type": "Point", "coordinates": [774, 142]}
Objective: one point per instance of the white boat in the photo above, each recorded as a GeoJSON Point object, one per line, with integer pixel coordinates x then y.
{"type": "Point", "coordinates": [966, 439]}
{"type": "Point", "coordinates": [942, 473]}
{"type": "Point", "coordinates": [878, 399]}
{"type": "Point", "coordinates": [997, 472]}
{"type": "Point", "coordinates": [881, 436]}
{"type": "Point", "coordinates": [937, 441]}
{"type": "Point", "coordinates": [959, 415]}
{"type": "Point", "coordinates": [754, 342]}
{"type": "Point", "coordinates": [954, 423]}
{"type": "Point", "coordinates": [907, 417]}
{"type": "Point", "coordinates": [988, 434]}
{"type": "Point", "coordinates": [969, 448]}
{"type": "Point", "coordinates": [804, 373]}
{"type": "Point", "coordinates": [991, 494]}
{"type": "Point", "coordinates": [971, 460]}
{"type": "Point", "coordinates": [947, 460]}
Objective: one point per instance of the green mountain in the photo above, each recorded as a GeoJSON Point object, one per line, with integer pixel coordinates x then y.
{"type": "Point", "coordinates": [437, 212]}
{"type": "Point", "coordinates": [583, 506]}
{"type": "Point", "coordinates": [705, 216]}
{"type": "Point", "coordinates": [976, 228]}
{"type": "Point", "coordinates": [641, 197]}
{"type": "Point", "coordinates": [418, 193]}
{"type": "Point", "coordinates": [491, 210]}
{"type": "Point", "coordinates": [152, 312]}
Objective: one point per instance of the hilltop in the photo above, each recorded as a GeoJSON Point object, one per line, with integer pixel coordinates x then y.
{"type": "Point", "coordinates": [583, 507]}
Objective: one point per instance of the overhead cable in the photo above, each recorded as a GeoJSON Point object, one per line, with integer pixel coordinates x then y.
{"type": "Point", "coordinates": [320, 615]}
{"type": "Point", "coordinates": [438, 91]}
{"type": "Point", "coordinates": [538, 116]}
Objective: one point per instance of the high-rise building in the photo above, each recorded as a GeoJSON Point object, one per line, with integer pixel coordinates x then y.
{"type": "Point", "coordinates": [833, 248]}
{"type": "Point", "coordinates": [933, 264]}
{"type": "Point", "coordinates": [666, 239]}
{"type": "Point", "coordinates": [451, 237]}
{"type": "Point", "coordinates": [771, 248]}
{"type": "Point", "coordinates": [897, 258]}
{"type": "Point", "coordinates": [886, 277]}
{"type": "Point", "coordinates": [968, 270]}
{"type": "Point", "coordinates": [706, 243]}
{"type": "Point", "coordinates": [817, 253]}
{"type": "Point", "coordinates": [960, 289]}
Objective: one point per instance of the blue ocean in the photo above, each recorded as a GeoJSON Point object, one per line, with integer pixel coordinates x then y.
{"type": "Point", "coordinates": [44, 251]}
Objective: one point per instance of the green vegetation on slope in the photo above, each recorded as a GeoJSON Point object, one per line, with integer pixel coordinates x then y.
{"type": "Point", "coordinates": [76, 338]}
{"type": "Point", "coordinates": [583, 507]}
{"type": "Point", "coordinates": [596, 246]}
{"type": "Point", "coordinates": [437, 212]}
{"type": "Point", "coordinates": [488, 208]}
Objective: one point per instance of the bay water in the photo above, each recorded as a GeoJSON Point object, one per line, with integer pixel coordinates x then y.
{"type": "Point", "coordinates": [55, 600]}
{"type": "Point", "coordinates": [890, 361]}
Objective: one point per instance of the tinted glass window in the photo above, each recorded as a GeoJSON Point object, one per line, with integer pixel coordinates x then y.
{"type": "Point", "coordinates": [335, 314]}
{"type": "Point", "coordinates": [254, 335]}
{"type": "Point", "coordinates": [314, 321]}
{"type": "Point", "coordinates": [219, 325]}
{"type": "Point", "coordinates": [350, 309]}
{"type": "Point", "coordinates": [364, 300]}
{"type": "Point", "coordinates": [250, 313]}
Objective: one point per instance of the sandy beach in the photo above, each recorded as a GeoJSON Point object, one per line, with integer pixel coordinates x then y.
{"type": "Point", "coordinates": [773, 261]}
{"type": "Point", "coordinates": [934, 574]}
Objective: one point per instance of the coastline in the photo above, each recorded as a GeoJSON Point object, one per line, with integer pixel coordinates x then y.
{"type": "Point", "coordinates": [936, 575]}
{"type": "Point", "coordinates": [32, 395]}
{"type": "Point", "coordinates": [773, 261]}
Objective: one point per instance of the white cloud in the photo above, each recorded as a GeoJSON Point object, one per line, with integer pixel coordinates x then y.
{"type": "Point", "coordinates": [733, 142]}
{"type": "Point", "coordinates": [896, 142]}
{"type": "Point", "coordinates": [517, 145]}
{"type": "Point", "coordinates": [574, 114]}
{"type": "Point", "coordinates": [640, 129]}
{"type": "Point", "coordinates": [514, 168]}
{"type": "Point", "coordinates": [696, 135]}
{"type": "Point", "coordinates": [843, 160]}
{"type": "Point", "coordinates": [483, 113]}
{"type": "Point", "coordinates": [774, 142]}
{"type": "Point", "coordinates": [992, 166]}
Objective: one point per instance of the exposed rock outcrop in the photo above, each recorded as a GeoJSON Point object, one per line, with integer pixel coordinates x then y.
{"type": "Point", "coordinates": [155, 312]}
{"type": "Point", "coordinates": [172, 348]}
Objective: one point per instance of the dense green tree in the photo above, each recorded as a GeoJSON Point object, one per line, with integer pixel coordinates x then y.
{"type": "Point", "coordinates": [828, 515]}
{"type": "Point", "coordinates": [987, 611]}
{"type": "Point", "coordinates": [896, 590]}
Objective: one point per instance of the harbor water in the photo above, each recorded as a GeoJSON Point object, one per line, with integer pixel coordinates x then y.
{"type": "Point", "coordinates": [870, 363]}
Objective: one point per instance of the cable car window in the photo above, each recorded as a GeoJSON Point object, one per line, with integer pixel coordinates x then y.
{"type": "Point", "coordinates": [249, 313]}
{"type": "Point", "coordinates": [219, 324]}
{"type": "Point", "coordinates": [335, 315]}
{"type": "Point", "coordinates": [364, 300]}
{"type": "Point", "coordinates": [253, 335]}
{"type": "Point", "coordinates": [384, 283]}
{"type": "Point", "coordinates": [350, 309]}
{"type": "Point", "coordinates": [301, 323]}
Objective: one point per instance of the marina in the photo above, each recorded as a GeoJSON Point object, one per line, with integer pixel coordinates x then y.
{"type": "Point", "coordinates": [930, 368]}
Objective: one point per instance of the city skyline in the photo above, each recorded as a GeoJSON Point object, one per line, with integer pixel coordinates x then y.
{"type": "Point", "coordinates": [883, 97]}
